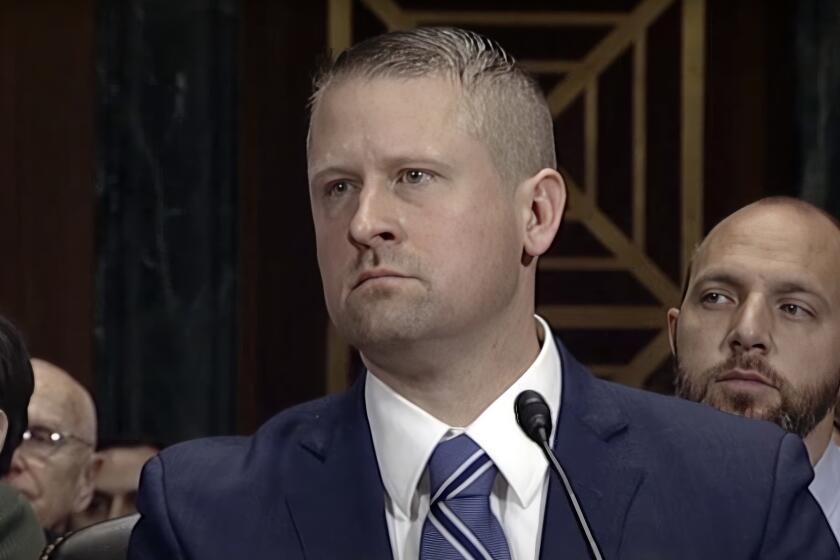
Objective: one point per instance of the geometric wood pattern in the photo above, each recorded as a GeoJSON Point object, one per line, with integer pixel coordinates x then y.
{"type": "Point", "coordinates": [625, 87]}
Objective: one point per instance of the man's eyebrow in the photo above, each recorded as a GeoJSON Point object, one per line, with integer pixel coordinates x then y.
{"type": "Point", "coordinates": [337, 170]}
{"type": "Point", "coordinates": [794, 287]}
{"type": "Point", "coordinates": [397, 161]}
{"type": "Point", "coordinates": [783, 287]}
{"type": "Point", "coordinates": [426, 160]}
{"type": "Point", "coordinates": [719, 277]}
{"type": "Point", "coordinates": [789, 286]}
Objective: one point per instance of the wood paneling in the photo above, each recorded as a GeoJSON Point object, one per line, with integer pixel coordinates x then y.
{"type": "Point", "coordinates": [47, 177]}
{"type": "Point", "coordinates": [282, 314]}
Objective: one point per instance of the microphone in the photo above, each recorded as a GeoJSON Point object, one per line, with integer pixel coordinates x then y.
{"type": "Point", "coordinates": [534, 417]}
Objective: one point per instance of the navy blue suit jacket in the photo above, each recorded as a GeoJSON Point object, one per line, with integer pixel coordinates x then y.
{"type": "Point", "coordinates": [658, 478]}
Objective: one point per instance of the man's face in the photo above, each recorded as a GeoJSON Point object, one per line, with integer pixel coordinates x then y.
{"type": "Point", "coordinates": [116, 485]}
{"type": "Point", "coordinates": [758, 331]}
{"type": "Point", "coordinates": [52, 479]}
{"type": "Point", "coordinates": [417, 236]}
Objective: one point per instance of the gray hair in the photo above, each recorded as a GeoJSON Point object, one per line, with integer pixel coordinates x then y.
{"type": "Point", "coordinates": [505, 107]}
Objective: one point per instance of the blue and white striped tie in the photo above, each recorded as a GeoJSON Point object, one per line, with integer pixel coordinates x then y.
{"type": "Point", "coordinates": [460, 524]}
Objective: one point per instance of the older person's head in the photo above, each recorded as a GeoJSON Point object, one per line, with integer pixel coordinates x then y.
{"type": "Point", "coordinates": [55, 466]}
{"type": "Point", "coordinates": [16, 383]}
{"type": "Point", "coordinates": [758, 331]}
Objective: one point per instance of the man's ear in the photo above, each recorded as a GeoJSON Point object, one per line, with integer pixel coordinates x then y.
{"type": "Point", "coordinates": [87, 483]}
{"type": "Point", "coordinates": [673, 320]}
{"type": "Point", "coordinates": [4, 428]}
{"type": "Point", "coordinates": [543, 203]}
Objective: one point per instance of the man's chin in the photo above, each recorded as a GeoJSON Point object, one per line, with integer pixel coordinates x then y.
{"type": "Point", "coordinates": [743, 404]}
{"type": "Point", "coordinates": [367, 333]}
{"type": "Point", "coordinates": [383, 322]}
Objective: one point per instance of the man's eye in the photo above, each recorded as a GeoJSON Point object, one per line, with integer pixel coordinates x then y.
{"type": "Point", "coordinates": [415, 176]}
{"type": "Point", "coordinates": [714, 297]}
{"type": "Point", "coordinates": [795, 310]}
{"type": "Point", "coordinates": [338, 188]}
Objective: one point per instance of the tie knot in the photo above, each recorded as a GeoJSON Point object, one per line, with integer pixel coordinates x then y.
{"type": "Point", "coordinates": [459, 468]}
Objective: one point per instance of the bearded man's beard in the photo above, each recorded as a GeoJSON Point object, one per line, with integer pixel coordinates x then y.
{"type": "Point", "coordinates": [795, 410]}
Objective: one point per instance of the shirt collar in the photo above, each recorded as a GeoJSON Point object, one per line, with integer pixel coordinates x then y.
{"type": "Point", "coordinates": [404, 435]}
{"type": "Point", "coordinates": [826, 476]}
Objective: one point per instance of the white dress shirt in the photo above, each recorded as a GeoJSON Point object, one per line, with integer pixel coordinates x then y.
{"type": "Point", "coordinates": [826, 486]}
{"type": "Point", "coordinates": [404, 437]}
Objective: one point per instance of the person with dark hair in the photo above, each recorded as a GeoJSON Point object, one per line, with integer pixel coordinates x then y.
{"type": "Point", "coordinates": [116, 482]}
{"type": "Point", "coordinates": [21, 537]}
{"type": "Point", "coordinates": [434, 191]}
{"type": "Point", "coordinates": [757, 331]}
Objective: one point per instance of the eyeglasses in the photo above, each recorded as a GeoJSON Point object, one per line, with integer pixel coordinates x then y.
{"type": "Point", "coordinates": [43, 442]}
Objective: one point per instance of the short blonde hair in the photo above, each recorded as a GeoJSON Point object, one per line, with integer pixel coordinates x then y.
{"type": "Point", "coordinates": [505, 106]}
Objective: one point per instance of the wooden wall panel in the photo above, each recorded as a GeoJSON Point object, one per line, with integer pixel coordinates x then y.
{"type": "Point", "coordinates": [282, 314]}
{"type": "Point", "coordinates": [47, 177]}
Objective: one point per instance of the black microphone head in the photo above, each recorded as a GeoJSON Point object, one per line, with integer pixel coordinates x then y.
{"type": "Point", "coordinates": [533, 416]}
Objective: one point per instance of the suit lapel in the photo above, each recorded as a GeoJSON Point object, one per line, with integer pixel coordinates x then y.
{"type": "Point", "coordinates": [592, 445]}
{"type": "Point", "coordinates": [338, 505]}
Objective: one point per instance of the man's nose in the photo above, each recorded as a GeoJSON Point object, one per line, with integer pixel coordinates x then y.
{"type": "Point", "coordinates": [376, 219]}
{"type": "Point", "coordinates": [751, 330]}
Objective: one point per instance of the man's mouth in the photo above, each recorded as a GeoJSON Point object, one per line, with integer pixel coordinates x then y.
{"type": "Point", "coordinates": [376, 274]}
{"type": "Point", "coordinates": [746, 377]}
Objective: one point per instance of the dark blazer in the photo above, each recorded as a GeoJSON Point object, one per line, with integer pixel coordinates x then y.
{"type": "Point", "coordinates": [658, 478]}
{"type": "Point", "coordinates": [21, 536]}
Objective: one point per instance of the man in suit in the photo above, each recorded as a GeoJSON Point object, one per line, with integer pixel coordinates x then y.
{"type": "Point", "coordinates": [758, 328]}
{"type": "Point", "coordinates": [434, 191]}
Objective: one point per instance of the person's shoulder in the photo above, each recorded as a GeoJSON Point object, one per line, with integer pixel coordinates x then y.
{"type": "Point", "coordinates": [739, 481]}
{"type": "Point", "coordinates": [191, 462]}
{"type": "Point", "coordinates": [217, 485]}
{"type": "Point", "coordinates": [18, 526]}
{"type": "Point", "coordinates": [693, 425]}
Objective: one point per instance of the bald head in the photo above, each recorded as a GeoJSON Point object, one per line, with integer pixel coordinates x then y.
{"type": "Point", "coordinates": [55, 466]}
{"type": "Point", "coordinates": [60, 397]}
{"type": "Point", "coordinates": [778, 223]}
{"type": "Point", "coordinates": [780, 212]}
{"type": "Point", "coordinates": [757, 331]}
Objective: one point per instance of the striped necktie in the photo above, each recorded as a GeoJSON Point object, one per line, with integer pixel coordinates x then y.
{"type": "Point", "coordinates": [460, 523]}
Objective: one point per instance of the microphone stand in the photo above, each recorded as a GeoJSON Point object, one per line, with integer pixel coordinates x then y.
{"type": "Point", "coordinates": [594, 552]}
{"type": "Point", "coordinates": [534, 417]}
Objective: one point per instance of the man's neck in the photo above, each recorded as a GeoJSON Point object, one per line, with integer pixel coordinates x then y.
{"type": "Point", "coordinates": [816, 442]}
{"type": "Point", "coordinates": [456, 380]}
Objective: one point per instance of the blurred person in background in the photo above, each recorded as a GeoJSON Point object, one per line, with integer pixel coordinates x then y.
{"type": "Point", "coordinates": [55, 465]}
{"type": "Point", "coordinates": [21, 536]}
{"type": "Point", "coordinates": [115, 486]}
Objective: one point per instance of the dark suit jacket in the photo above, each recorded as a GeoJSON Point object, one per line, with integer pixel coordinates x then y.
{"type": "Point", "coordinates": [657, 477]}
{"type": "Point", "coordinates": [21, 536]}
